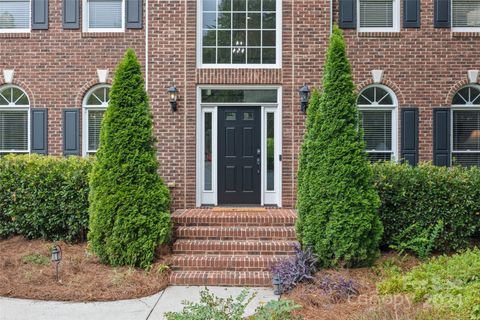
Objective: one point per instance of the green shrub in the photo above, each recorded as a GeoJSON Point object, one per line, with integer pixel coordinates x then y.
{"type": "Point", "coordinates": [129, 203]}
{"type": "Point", "coordinates": [44, 197]}
{"type": "Point", "coordinates": [446, 283]}
{"type": "Point", "coordinates": [416, 199]}
{"type": "Point", "coordinates": [337, 204]}
{"type": "Point", "coordinates": [212, 307]}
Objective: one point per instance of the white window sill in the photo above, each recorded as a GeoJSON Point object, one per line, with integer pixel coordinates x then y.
{"type": "Point", "coordinates": [105, 30]}
{"type": "Point", "coordinates": [239, 66]}
{"type": "Point", "coordinates": [382, 30]}
{"type": "Point", "coordinates": [15, 30]}
{"type": "Point", "coordinates": [466, 29]}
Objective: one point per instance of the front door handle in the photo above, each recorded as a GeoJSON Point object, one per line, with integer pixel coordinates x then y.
{"type": "Point", "coordinates": [258, 160]}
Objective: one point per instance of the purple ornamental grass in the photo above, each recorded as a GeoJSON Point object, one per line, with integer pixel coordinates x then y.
{"type": "Point", "coordinates": [297, 269]}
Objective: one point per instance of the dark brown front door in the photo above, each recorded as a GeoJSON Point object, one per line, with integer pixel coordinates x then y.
{"type": "Point", "coordinates": [239, 155]}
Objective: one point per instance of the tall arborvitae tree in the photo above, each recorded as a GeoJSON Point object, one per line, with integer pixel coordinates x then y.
{"type": "Point", "coordinates": [337, 202]}
{"type": "Point", "coordinates": [129, 203]}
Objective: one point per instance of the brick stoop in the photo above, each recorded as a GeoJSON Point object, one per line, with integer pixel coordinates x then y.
{"type": "Point", "coordinates": [230, 247]}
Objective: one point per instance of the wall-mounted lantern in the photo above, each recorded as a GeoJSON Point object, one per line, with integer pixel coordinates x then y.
{"type": "Point", "coordinates": [277, 285]}
{"type": "Point", "coordinates": [173, 94]}
{"type": "Point", "coordinates": [304, 97]}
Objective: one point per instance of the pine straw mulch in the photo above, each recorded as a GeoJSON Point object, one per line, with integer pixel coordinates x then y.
{"type": "Point", "coordinates": [26, 272]}
{"type": "Point", "coordinates": [367, 305]}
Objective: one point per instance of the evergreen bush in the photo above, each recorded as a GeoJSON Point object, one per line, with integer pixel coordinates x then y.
{"type": "Point", "coordinates": [44, 197]}
{"type": "Point", "coordinates": [129, 203]}
{"type": "Point", "coordinates": [337, 203]}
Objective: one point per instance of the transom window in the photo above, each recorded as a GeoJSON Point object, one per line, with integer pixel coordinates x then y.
{"type": "Point", "coordinates": [466, 13]}
{"type": "Point", "coordinates": [239, 32]}
{"type": "Point", "coordinates": [466, 126]}
{"type": "Point", "coordinates": [14, 120]}
{"type": "Point", "coordinates": [104, 15]}
{"type": "Point", "coordinates": [377, 105]}
{"type": "Point", "coordinates": [379, 15]}
{"type": "Point", "coordinates": [14, 15]}
{"type": "Point", "coordinates": [95, 104]}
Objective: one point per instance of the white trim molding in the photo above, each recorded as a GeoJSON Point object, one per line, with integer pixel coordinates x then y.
{"type": "Point", "coordinates": [209, 197]}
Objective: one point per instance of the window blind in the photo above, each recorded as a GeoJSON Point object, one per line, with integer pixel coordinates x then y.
{"type": "Point", "coordinates": [466, 13]}
{"type": "Point", "coordinates": [94, 126]}
{"type": "Point", "coordinates": [14, 130]}
{"type": "Point", "coordinates": [376, 13]}
{"type": "Point", "coordinates": [466, 130]}
{"type": "Point", "coordinates": [104, 13]}
{"type": "Point", "coordinates": [15, 14]}
{"type": "Point", "coordinates": [377, 128]}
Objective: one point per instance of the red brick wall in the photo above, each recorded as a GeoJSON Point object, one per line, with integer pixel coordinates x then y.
{"type": "Point", "coordinates": [56, 67]}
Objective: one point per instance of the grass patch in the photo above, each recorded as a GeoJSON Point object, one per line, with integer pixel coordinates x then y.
{"type": "Point", "coordinates": [448, 284]}
{"type": "Point", "coordinates": [36, 258]}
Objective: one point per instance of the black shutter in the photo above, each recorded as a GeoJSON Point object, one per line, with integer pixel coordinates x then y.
{"type": "Point", "coordinates": [39, 131]}
{"type": "Point", "coordinates": [39, 14]}
{"type": "Point", "coordinates": [348, 14]}
{"type": "Point", "coordinates": [441, 137]}
{"type": "Point", "coordinates": [71, 14]}
{"type": "Point", "coordinates": [71, 132]}
{"type": "Point", "coordinates": [134, 14]}
{"type": "Point", "coordinates": [409, 135]}
{"type": "Point", "coordinates": [442, 14]}
{"type": "Point", "coordinates": [411, 13]}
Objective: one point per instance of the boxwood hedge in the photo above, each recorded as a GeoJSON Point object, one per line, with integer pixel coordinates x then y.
{"type": "Point", "coordinates": [416, 199]}
{"type": "Point", "coordinates": [44, 197]}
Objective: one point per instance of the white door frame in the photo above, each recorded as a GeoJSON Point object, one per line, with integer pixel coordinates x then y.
{"type": "Point", "coordinates": [209, 197]}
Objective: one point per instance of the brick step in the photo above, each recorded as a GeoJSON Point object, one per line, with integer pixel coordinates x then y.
{"type": "Point", "coordinates": [234, 247]}
{"type": "Point", "coordinates": [225, 263]}
{"type": "Point", "coordinates": [234, 233]}
{"type": "Point", "coordinates": [221, 278]}
{"type": "Point", "coordinates": [207, 217]}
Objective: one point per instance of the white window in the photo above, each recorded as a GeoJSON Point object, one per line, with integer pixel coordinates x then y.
{"type": "Point", "coordinates": [378, 15]}
{"type": "Point", "coordinates": [14, 120]}
{"type": "Point", "coordinates": [14, 15]}
{"type": "Point", "coordinates": [94, 105]}
{"type": "Point", "coordinates": [378, 110]}
{"type": "Point", "coordinates": [466, 126]}
{"type": "Point", "coordinates": [239, 33]}
{"type": "Point", "coordinates": [466, 15]}
{"type": "Point", "coordinates": [103, 15]}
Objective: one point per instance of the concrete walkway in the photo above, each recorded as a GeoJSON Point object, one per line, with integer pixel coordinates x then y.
{"type": "Point", "coordinates": [149, 308]}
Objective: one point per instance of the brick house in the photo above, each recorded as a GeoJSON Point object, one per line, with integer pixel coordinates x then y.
{"type": "Point", "coordinates": [238, 66]}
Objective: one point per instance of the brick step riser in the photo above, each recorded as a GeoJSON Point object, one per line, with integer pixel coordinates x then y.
{"type": "Point", "coordinates": [228, 234]}
{"type": "Point", "coordinates": [226, 264]}
{"type": "Point", "coordinates": [251, 279]}
{"type": "Point", "coordinates": [234, 224]}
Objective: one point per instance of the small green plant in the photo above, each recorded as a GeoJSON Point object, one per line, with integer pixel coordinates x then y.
{"type": "Point", "coordinates": [163, 268]}
{"type": "Point", "coordinates": [447, 283]}
{"type": "Point", "coordinates": [418, 240]}
{"type": "Point", "coordinates": [36, 258]}
{"type": "Point", "coordinates": [213, 308]}
{"type": "Point", "coordinates": [277, 310]}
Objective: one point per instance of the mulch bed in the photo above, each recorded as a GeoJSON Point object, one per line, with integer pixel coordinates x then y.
{"type": "Point", "coordinates": [26, 272]}
{"type": "Point", "coordinates": [367, 305]}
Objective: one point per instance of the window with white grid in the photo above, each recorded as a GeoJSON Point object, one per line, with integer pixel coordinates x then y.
{"type": "Point", "coordinates": [465, 14]}
{"type": "Point", "coordinates": [378, 15]}
{"type": "Point", "coordinates": [14, 120]}
{"type": "Point", "coordinates": [239, 32]}
{"type": "Point", "coordinates": [95, 105]}
{"type": "Point", "coordinates": [466, 127]}
{"type": "Point", "coordinates": [377, 107]}
{"type": "Point", "coordinates": [15, 15]}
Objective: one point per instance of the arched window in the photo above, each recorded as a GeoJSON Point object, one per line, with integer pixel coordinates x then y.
{"type": "Point", "coordinates": [378, 109]}
{"type": "Point", "coordinates": [466, 126]}
{"type": "Point", "coordinates": [14, 120]}
{"type": "Point", "coordinates": [94, 105]}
